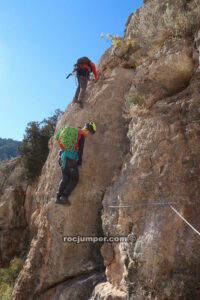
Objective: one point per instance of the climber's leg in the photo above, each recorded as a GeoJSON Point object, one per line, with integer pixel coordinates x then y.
{"type": "Point", "coordinates": [73, 177]}
{"type": "Point", "coordinates": [63, 183]}
{"type": "Point", "coordinates": [83, 85]}
{"type": "Point", "coordinates": [75, 99]}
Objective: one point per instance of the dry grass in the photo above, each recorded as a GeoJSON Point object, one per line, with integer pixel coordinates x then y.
{"type": "Point", "coordinates": [154, 21]}
{"type": "Point", "coordinates": [182, 23]}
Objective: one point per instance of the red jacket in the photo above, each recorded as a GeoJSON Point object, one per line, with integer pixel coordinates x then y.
{"type": "Point", "coordinates": [93, 70]}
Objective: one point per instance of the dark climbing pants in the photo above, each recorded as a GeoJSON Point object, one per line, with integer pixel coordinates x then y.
{"type": "Point", "coordinates": [70, 178]}
{"type": "Point", "coordinates": [80, 91]}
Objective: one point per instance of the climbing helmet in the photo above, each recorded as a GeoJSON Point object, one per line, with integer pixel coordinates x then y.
{"type": "Point", "coordinates": [91, 126]}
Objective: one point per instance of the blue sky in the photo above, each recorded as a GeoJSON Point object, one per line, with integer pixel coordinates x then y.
{"type": "Point", "coordinates": [40, 40]}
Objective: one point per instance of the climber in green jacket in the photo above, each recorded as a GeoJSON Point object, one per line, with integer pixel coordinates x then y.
{"type": "Point", "coordinates": [71, 141]}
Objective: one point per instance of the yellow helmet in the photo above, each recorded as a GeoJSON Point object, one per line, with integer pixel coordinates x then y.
{"type": "Point", "coordinates": [91, 126]}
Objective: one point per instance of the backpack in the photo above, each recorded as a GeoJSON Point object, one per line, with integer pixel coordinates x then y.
{"type": "Point", "coordinates": [68, 140]}
{"type": "Point", "coordinates": [67, 137]}
{"type": "Point", "coordinates": [83, 66]}
{"type": "Point", "coordinates": [83, 61]}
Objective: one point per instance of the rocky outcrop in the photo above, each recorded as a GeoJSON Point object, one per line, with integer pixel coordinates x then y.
{"type": "Point", "coordinates": [77, 288]}
{"type": "Point", "coordinates": [161, 169]}
{"type": "Point", "coordinates": [13, 225]}
{"type": "Point", "coordinates": [143, 158]}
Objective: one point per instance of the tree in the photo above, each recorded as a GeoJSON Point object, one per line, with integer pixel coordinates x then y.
{"type": "Point", "coordinates": [34, 148]}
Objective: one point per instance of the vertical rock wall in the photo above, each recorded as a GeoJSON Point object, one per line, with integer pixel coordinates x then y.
{"type": "Point", "coordinates": [162, 168]}
{"type": "Point", "coordinates": [51, 261]}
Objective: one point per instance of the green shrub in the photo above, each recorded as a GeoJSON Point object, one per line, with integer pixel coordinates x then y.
{"type": "Point", "coordinates": [134, 98]}
{"type": "Point", "coordinates": [120, 44]}
{"type": "Point", "coordinates": [116, 40]}
{"type": "Point", "coordinates": [8, 276]}
{"type": "Point", "coordinates": [34, 148]}
{"type": "Point", "coordinates": [5, 291]}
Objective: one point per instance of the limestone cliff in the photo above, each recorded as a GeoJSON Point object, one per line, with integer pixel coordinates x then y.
{"type": "Point", "coordinates": [13, 224]}
{"type": "Point", "coordinates": [144, 156]}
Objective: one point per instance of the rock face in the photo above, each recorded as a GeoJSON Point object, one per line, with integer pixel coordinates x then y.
{"type": "Point", "coordinates": [143, 158]}
{"type": "Point", "coordinates": [13, 225]}
{"type": "Point", "coordinates": [51, 261]}
{"type": "Point", "coordinates": [162, 169]}
{"type": "Point", "coordinates": [78, 288]}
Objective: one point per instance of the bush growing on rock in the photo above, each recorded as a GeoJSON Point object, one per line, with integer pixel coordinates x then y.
{"type": "Point", "coordinates": [121, 46]}
{"type": "Point", "coordinates": [34, 148]}
{"type": "Point", "coordinates": [134, 98]}
{"type": "Point", "coordinates": [8, 276]}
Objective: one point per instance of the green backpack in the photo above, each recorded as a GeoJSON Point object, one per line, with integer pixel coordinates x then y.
{"type": "Point", "coordinates": [66, 137]}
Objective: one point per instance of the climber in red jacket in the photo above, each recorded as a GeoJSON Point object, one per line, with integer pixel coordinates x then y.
{"type": "Point", "coordinates": [83, 68]}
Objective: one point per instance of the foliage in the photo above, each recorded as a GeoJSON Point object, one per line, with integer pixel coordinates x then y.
{"type": "Point", "coordinates": [5, 291]}
{"type": "Point", "coordinates": [8, 148]}
{"type": "Point", "coordinates": [8, 276]}
{"type": "Point", "coordinates": [116, 40]}
{"type": "Point", "coordinates": [34, 148]}
{"type": "Point", "coordinates": [134, 98]}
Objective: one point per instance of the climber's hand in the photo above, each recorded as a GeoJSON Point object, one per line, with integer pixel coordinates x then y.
{"type": "Point", "coordinates": [93, 79]}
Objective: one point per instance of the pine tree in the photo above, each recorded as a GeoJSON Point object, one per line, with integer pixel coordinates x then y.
{"type": "Point", "coordinates": [34, 148]}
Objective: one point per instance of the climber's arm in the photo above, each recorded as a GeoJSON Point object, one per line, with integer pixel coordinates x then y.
{"type": "Point", "coordinates": [94, 70]}
{"type": "Point", "coordinates": [80, 151]}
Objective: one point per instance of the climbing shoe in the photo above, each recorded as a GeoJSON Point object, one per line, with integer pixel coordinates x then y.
{"type": "Point", "coordinates": [64, 200]}
{"type": "Point", "coordinates": [57, 199]}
